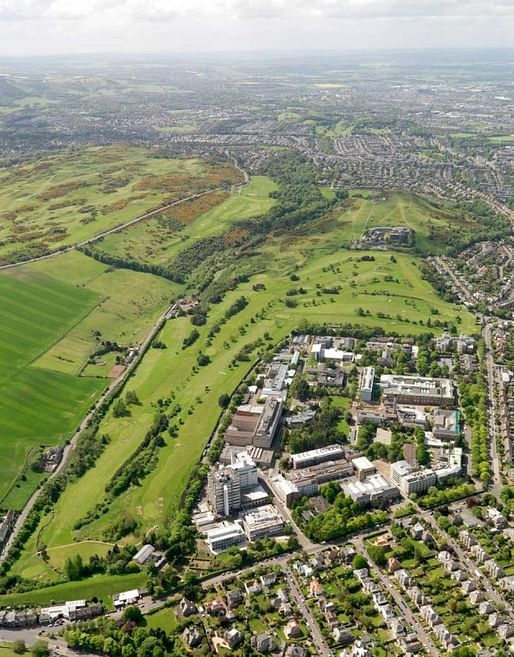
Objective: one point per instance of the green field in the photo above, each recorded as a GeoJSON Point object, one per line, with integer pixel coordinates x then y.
{"type": "Point", "coordinates": [72, 196]}
{"type": "Point", "coordinates": [165, 619]}
{"type": "Point", "coordinates": [50, 327]}
{"type": "Point", "coordinates": [6, 650]}
{"type": "Point", "coordinates": [149, 242]}
{"type": "Point", "coordinates": [100, 587]}
{"type": "Point", "coordinates": [377, 292]}
{"type": "Point", "coordinates": [432, 222]}
{"type": "Point", "coordinates": [37, 406]}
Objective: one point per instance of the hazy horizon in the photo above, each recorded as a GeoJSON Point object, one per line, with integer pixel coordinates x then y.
{"type": "Point", "coordinates": [61, 27]}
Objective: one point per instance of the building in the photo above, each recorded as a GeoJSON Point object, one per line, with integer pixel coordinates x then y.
{"type": "Point", "coordinates": [146, 554]}
{"type": "Point", "coordinates": [315, 456]}
{"type": "Point", "coordinates": [261, 457]}
{"type": "Point", "coordinates": [223, 536]}
{"type": "Point", "coordinates": [417, 390]}
{"type": "Point", "coordinates": [321, 353]}
{"type": "Point", "coordinates": [367, 381]}
{"type": "Point", "coordinates": [227, 485]}
{"type": "Point", "coordinates": [126, 598]}
{"type": "Point", "coordinates": [363, 467]}
{"type": "Point", "coordinates": [445, 424]}
{"type": "Point", "coordinates": [411, 479]}
{"type": "Point", "coordinates": [254, 497]}
{"type": "Point", "coordinates": [255, 424]}
{"type": "Point", "coordinates": [285, 490]}
{"type": "Point", "coordinates": [244, 467]}
{"type": "Point", "coordinates": [265, 521]}
{"type": "Point", "coordinates": [374, 490]}
{"type": "Point", "coordinates": [223, 491]}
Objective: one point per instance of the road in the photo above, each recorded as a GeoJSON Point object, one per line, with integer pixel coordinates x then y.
{"type": "Point", "coordinates": [127, 224]}
{"type": "Point", "coordinates": [317, 638]}
{"type": "Point", "coordinates": [305, 542]}
{"type": "Point", "coordinates": [404, 608]}
{"type": "Point", "coordinates": [68, 450]}
{"type": "Point", "coordinates": [465, 294]}
{"type": "Point", "coordinates": [497, 599]}
{"type": "Point", "coordinates": [493, 413]}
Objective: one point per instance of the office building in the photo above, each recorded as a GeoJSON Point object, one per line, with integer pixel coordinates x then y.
{"type": "Point", "coordinates": [265, 521]}
{"type": "Point", "coordinates": [315, 456]}
{"type": "Point", "coordinates": [223, 491]}
{"type": "Point", "coordinates": [223, 536]}
{"type": "Point", "coordinates": [374, 490]}
{"type": "Point", "coordinates": [411, 479]}
{"type": "Point", "coordinates": [417, 390]}
{"type": "Point", "coordinates": [367, 381]}
{"type": "Point", "coordinates": [255, 424]}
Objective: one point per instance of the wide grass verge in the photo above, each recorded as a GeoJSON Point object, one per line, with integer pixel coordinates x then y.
{"type": "Point", "coordinates": [101, 587]}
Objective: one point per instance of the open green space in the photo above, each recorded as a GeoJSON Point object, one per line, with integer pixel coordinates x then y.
{"type": "Point", "coordinates": [373, 288]}
{"type": "Point", "coordinates": [72, 196]}
{"type": "Point", "coordinates": [50, 328]}
{"type": "Point", "coordinates": [37, 406]}
{"type": "Point", "coordinates": [6, 650]}
{"type": "Point", "coordinates": [433, 222]}
{"type": "Point", "coordinates": [100, 587]}
{"type": "Point", "coordinates": [155, 242]}
{"type": "Point", "coordinates": [165, 618]}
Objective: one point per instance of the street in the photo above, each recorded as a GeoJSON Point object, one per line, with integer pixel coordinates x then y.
{"type": "Point", "coordinates": [404, 608]}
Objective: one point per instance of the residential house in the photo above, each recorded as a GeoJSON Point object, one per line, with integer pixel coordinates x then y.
{"type": "Point", "coordinates": [263, 643]}
{"type": "Point", "coordinates": [192, 636]}
{"type": "Point", "coordinates": [485, 608]}
{"type": "Point", "coordinates": [476, 597]}
{"type": "Point", "coordinates": [252, 587]}
{"type": "Point", "coordinates": [187, 608]}
{"type": "Point", "coordinates": [292, 630]}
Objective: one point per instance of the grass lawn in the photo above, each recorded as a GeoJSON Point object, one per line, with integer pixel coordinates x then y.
{"type": "Point", "coordinates": [431, 221]}
{"type": "Point", "coordinates": [37, 406]}
{"type": "Point", "coordinates": [6, 650]}
{"type": "Point", "coordinates": [48, 332]}
{"type": "Point", "coordinates": [71, 196]}
{"type": "Point", "coordinates": [58, 555]}
{"type": "Point", "coordinates": [150, 241]}
{"type": "Point", "coordinates": [100, 586]}
{"type": "Point", "coordinates": [165, 619]}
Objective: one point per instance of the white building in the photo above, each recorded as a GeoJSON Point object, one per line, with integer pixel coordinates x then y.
{"type": "Point", "coordinates": [417, 390]}
{"type": "Point", "coordinates": [315, 456]}
{"type": "Point", "coordinates": [264, 521]}
{"type": "Point", "coordinates": [223, 536]}
{"type": "Point", "coordinates": [411, 479]}
{"type": "Point", "coordinates": [372, 490]}
{"type": "Point", "coordinates": [246, 470]}
{"type": "Point", "coordinates": [366, 384]}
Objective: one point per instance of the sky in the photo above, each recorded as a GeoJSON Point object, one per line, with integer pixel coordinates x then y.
{"type": "Point", "coordinates": [48, 27]}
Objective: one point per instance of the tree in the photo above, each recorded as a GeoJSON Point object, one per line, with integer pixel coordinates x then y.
{"type": "Point", "coordinates": [74, 568]}
{"type": "Point", "coordinates": [224, 400]}
{"type": "Point", "coordinates": [300, 389]}
{"type": "Point", "coordinates": [40, 649]}
{"type": "Point", "coordinates": [133, 614]}
{"type": "Point", "coordinates": [378, 555]}
{"type": "Point", "coordinates": [359, 562]}
{"type": "Point", "coordinates": [120, 408]}
{"type": "Point", "coordinates": [132, 398]}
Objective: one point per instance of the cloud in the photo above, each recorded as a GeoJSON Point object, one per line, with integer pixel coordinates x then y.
{"type": "Point", "coordinates": [250, 9]}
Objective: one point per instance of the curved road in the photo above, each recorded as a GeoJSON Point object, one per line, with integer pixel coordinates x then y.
{"type": "Point", "coordinates": [142, 217]}
{"type": "Point", "coordinates": [119, 381]}
{"type": "Point", "coordinates": [125, 374]}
